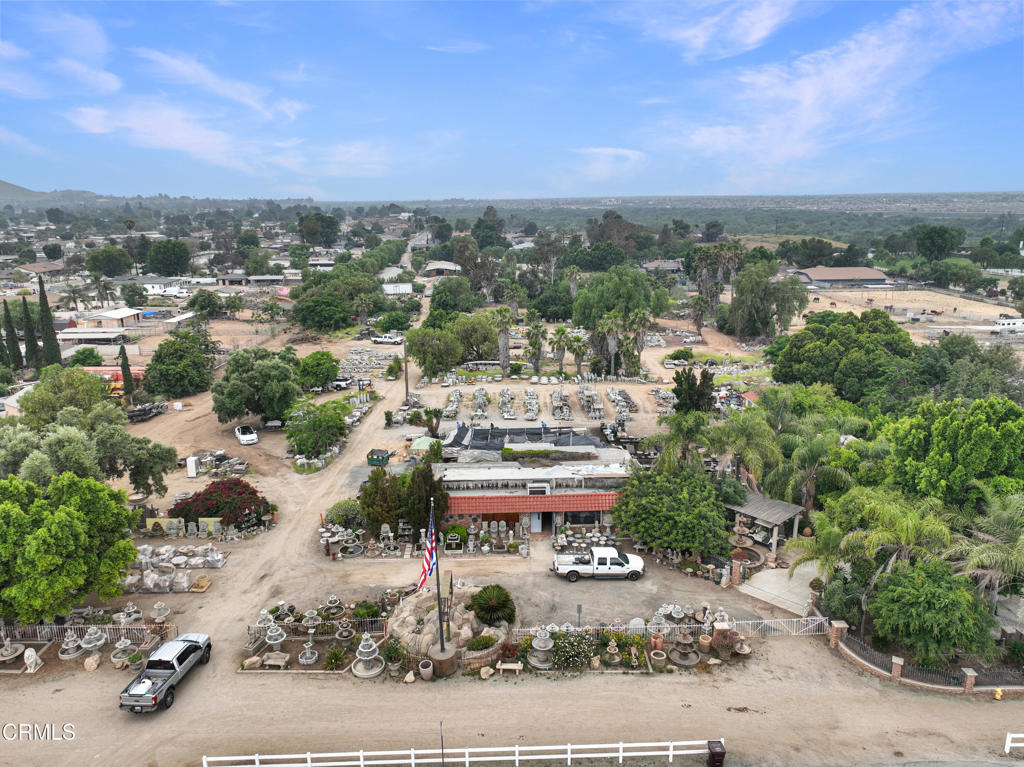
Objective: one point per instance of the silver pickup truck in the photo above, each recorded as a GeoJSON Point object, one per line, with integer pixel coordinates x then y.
{"type": "Point", "coordinates": [599, 562]}
{"type": "Point", "coordinates": [154, 686]}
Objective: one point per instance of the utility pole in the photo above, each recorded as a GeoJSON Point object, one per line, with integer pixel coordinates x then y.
{"type": "Point", "coordinates": [405, 353]}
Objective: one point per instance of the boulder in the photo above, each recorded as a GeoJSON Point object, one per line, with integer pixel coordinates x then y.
{"type": "Point", "coordinates": [465, 634]}
{"type": "Point", "coordinates": [714, 661]}
{"type": "Point", "coordinates": [250, 663]}
{"type": "Point", "coordinates": [409, 678]}
{"type": "Point", "coordinates": [486, 672]}
{"type": "Point", "coordinates": [92, 662]}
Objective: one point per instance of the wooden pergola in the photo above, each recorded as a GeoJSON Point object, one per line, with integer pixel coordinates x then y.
{"type": "Point", "coordinates": [768, 513]}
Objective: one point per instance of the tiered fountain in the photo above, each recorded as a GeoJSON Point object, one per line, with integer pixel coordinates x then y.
{"type": "Point", "coordinates": [275, 636]}
{"type": "Point", "coordinates": [308, 655]}
{"type": "Point", "coordinates": [612, 656]}
{"type": "Point", "coordinates": [265, 621]}
{"type": "Point", "coordinates": [345, 630]}
{"type": "Point", "coordinates": [71, 648]}
{"type": "Point", "coordinates": [159, 612]}
{"type": "Point", "coordinates": [334, 607]}
{"type": "Point", "coordinates": [682, 653]}
{"type": "Point", "coordinates": [123, 649]}
{"type": "Point", "coordinates": [368, 663]}
{"type": "Point", "coordinates": [10, 651]}
{"type": "Point", "coordinates": [540, 655]}
{"type": "Point", "coordinates": [94, 639]}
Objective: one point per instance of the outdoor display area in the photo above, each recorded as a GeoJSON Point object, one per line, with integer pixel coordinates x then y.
{"type": "Point", "coordinates": [340, 542]}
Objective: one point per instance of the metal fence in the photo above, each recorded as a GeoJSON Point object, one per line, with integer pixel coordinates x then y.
{"type": "Point", "coordinates": [49, 632]}
{"type": "Point", "coordinates": [1000, 676]}
{"type": "Point", "coordinates": [868, 654]}
{"type": "Point", "coordinates": [944, 677]}
{"type": "Point", "coordinates": [324, 630]}
{"type": "Point", "coordinates": [812, 625]}
{"type": "Point", "coordinates": [466, 756]}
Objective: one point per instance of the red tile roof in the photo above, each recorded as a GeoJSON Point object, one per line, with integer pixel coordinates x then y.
{"type": "Point", "coordinates": [521, 504]}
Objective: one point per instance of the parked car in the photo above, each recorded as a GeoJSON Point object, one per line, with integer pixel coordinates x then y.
{"type": "Point", "coordinates": [246, 435]}
{"type": "Point", "coordinates": [599, 562]}
{"type": "Point", "coordinates": [388, 338]}
{"type": "Point", "coordinates": [155, 685]}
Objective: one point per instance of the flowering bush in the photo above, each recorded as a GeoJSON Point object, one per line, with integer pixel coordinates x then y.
{"type": "Point", "coordinates": [573, 650]}
{"type": "Point", "coordinates": [232, 500]}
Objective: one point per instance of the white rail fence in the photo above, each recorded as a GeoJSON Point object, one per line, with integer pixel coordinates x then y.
{"type": "Point", "coordinates": [48, 632]}
{"type": "Point", "coordinates": [466, 756]}
{"type": "Point", "coordinates": [1013, 740]}
{"type": "Point", "coordinates": [773, 627]}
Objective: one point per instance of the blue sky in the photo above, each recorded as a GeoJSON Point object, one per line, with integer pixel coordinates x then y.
{"type": "Point", "coordinates": [375, 101]}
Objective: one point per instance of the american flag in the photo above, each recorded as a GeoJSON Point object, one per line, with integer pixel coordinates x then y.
{"type": "Point", "coordinates": [429, 553]}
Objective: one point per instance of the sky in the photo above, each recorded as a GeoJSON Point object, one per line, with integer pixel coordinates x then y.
{"type": "Point", "coordinates": [432, 100]}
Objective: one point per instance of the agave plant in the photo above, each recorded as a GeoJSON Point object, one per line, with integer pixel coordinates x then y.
{"type": "Point", "coordinates": [493, 604]}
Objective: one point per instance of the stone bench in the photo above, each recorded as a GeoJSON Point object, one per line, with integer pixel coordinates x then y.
{"type": "Point", "coordinates": [279, 659]}
{"type": "Point", "coordinates": [504, 666]}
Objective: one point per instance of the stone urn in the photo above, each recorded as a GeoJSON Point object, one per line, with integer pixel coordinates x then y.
{"type": "Point", "coordinates": [395, 669]}
{"type": "Point", "coordinates": [704, 642]}
{"type": "Point", "coordinates": [657, 641]}
{"type": "Point", "coordinates": [658, 658]}
{"type": "Point", "coordinates": [426, 668]}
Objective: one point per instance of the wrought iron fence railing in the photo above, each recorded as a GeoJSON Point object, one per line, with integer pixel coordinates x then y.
{"type": "Point", "coordinates": [324, 630]}
{"type": "Point", "coordinates": [997, 676]}
{"type": "Point", "coordinates": [944, 677]}
{"type": "Point", "coordinates": [868, 654]}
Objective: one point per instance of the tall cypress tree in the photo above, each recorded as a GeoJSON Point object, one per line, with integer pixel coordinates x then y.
{"type": "Point", "coordinates": [33, 354]}
{"type": "Point", "coordinates": [126, 375]}
{"type": "Point", "coordinates": [5, 358]}
{"type": "Point", "coordinates": [51, 349]}
{"type": "Point", "coordinates": [13, 347]}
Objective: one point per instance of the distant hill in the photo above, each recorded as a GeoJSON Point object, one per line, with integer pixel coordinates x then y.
{"type": "Point", "coordinates": [14, 193]}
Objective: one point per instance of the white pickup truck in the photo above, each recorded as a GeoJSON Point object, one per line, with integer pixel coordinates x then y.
{"type": "Point", "coordinates": [388, 338]}
{"type": "Point", "coordinates": [601, 562]}
{"type": "Point", "coordinates": [154, 686]}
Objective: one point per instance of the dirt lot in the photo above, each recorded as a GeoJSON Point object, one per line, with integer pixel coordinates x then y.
{"type": "Point", "coordinates": [791, 704]}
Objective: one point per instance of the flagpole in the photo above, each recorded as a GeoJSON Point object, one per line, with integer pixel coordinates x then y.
{"type": "Point", "coordinates": [437, 575]}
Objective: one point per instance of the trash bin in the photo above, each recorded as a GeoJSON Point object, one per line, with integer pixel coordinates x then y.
{"type": "Point", "coordinates": [716, 753]}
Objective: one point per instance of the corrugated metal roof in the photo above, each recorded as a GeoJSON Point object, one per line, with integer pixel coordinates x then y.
{"type": "Point", "coordinates": [767, 511]}
{"type": "Point", "coordinates": [522, 504]}
{"type": "Point", "coordinates": [826, 273]}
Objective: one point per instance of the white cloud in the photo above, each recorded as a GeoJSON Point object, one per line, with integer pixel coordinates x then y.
{"type": "Point", "coordinates": [710, 29]}
{"type": "Point", "coordinates": [22, 85]}
{"type": "Point", "coordinates": [604, 163]}
{"type": "Point", "coordinates": [356, 159]}
{"type": "Point", "coordinates": [160, 126]}
{"type": "Point", "coordinates": [466, 46]}
{"type": "Point", "coordinates": [78, 37]}
{"type": "Point", "coordinates": [10, 51]}
{"type": "Point", "coordinates": [20, 143]}
{"type": "Point", "coordinates": [861, 87]}
{"type": "Point", "coordinates": [188, 71]}
{"type": "Point", "coordinates": [294, 76]}
{"type": "Point", "coordinates": [290, 108]}
{"type": "Point", "coordinates": [98, 79]}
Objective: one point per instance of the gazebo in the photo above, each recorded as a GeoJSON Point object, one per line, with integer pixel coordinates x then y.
{"type": "Point", "coordinates": [768, 513]}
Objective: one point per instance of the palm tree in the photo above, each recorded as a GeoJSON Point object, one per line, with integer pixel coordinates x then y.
{"type": "Point", "coordinates": [72, 295]}
{"type": "Point", "coordinates": [728, 254]}
{"type": "Point", "coordinates": [502, 320]}
{"type": "Point", "coordinates": [608, 331]}
{"type": "Point", "coordinates": [744, 443]}
{"type": "Point", "coordinates": [578, 348]}
{"type": "Point", "coordinates": [993, 550]}
{"type": "Point", "coordinates": [515, 296]}
{"type": "Point", "coordinates": [363, 305]}
{"type": "Point", "coordinates": [559, 343]}
{"type": "Point", "coordinates": [799, 476]}
{"type": "Point", "coordinates": [102, 287]}
{"type": "Point", "coordinates": [827, 548]}
{"type": "Point", "coordinates": [639, 322]}
{"type": "Point", "coordinates": [129, 226]}
{"type": "Point", "coordinates": [536, 336]}
{"type": "Point", "coordinates": [699, 306]}
{"type": "Point", "coordinates": [572, 274]}
{"type": "Point", "coordinates": [679, 442]}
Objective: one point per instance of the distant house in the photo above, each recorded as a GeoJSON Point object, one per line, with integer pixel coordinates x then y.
{"type": "Point", "coordinates": [841, 276]}
{"type": "Point", "coordinates": [322, 263]}
{"type": "Point", "coordinates": [48, 270]}
{"type": "Point", "coordinates": [662, 265]}
{"type": "Point", "coordinates": [392, 289]}
{"type": "Point", "coordinates": [389, 273]}
{"type": "Point", "coordinates": [441, 269]}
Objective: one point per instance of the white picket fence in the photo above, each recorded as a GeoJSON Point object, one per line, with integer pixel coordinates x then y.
{"type": "Point", "coordinates": [773, 627]}
{"type": "Point", "coordinates": [466, 756]}
{"type": "Point", "coordinates": [1013, 740]}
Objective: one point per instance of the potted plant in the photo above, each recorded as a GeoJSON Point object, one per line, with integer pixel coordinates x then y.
{"type": "Point", "coordinates": [817, 586]}
{"type": "Point", "coordinates": [426, 668]}
{"type": "Point", "coordinates": [135, 661]}
{"type": "Point", "coordinates": [393, 655]}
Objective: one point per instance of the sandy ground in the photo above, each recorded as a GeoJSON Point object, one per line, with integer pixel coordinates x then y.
{"type": "Point", "coordinates": [793, 703]}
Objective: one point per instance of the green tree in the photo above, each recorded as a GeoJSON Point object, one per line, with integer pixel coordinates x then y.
{"type": "Point", "coordinates": [60, 544]}
{"type": "Point", "coordinates": [620, 290]}
{"type": "Point", "coordinates": [312, 429]}
{"type": "Point", "coordinates": [318, 370]}
{"type": "Point", "coordinates": [454, 294]}
{"type": "Point", "coordinates": [109, 261]}
{"type": "Point", "coordinates": [763, 305]}
{"type": "Point", "coordinates": [937, 242]}
{"type": "Point", "coordinates": [502, 319]}
{"type": "Point", "coordinates": [51, 349]}
{"type": "Point", "coordinates": [677, 444]}
{"type": "Point", "coordinates": [85, 356]}
{"type": "Point", "coordinates": [692, 394]}
{"type": "Point", "coordinates": [59, 388]}
{"type": "Point", "coordinates": [206, 303]}
{"type": "Point", "coordinates": [169, 258]}
{"type": "Point", "coordinates": [11, 340]}
{"type": "Point", "coordinates": [992, 550]}
{"type": "Point", "coordinates": [826, 548]}
{"type": "Point", "coordinates": [248, 239]}
{"type": "Point", "coordinates": [298, 252]}
{"type": "Point", "coordinates": [33, 354]}
{"type": "Point", "coordinates": [712, 231]}
{"type": "Point", "coordinates": [435, 351]}
{"type": "Point", "coordinates": [134, 294]}
{"type": "Point", "coordinates": [381, 499]}
{"type": "Point", "coordinates": [559, 343]}
{"type": "Point", "coordinates": [536, 335]}
{"type": "Point", "coordinates": [363, 305]}
{"type": "Point", "coordinates": [797, 479]}
{"type": "Point", "coordinates": [930, 612]}
{"type": "Point", "coordinates": [421, 488]}
{"type": "Point", "coordinates": [180, 366]}
{"type": "Point", "coordinates": [744, 444]}
{"type": "Point", "coordinates": [477, 336]}
{"type": "Point", "coordinates": [396, 320]}
{"type": "Point", "coordinates": [578, 348]}
{"type": "Point", "coordinates": [53, 251]}
{"type": "Point", "coordinates": [128, 381]}
{"type": "Point", "coordinates": [678, 511]}
{"type": "Point", "coordinates": [257, 381]}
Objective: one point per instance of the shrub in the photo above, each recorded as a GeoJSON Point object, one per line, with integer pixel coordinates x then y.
{"type": "Point", "coordinates": [347, 513]}
{"type": "Point", "coordinates": [841, 601]}
{"type": "Point", "coordinates": [135, 657]}
{"type": "Point", "coordinates": [515, 368]}
{"type": "Point", "coordinates": [1015, 652]}
{"type": "Point", "coordinates": [509, 651]}
{"type": "Point", "coordinates": [493, 604]}
{"type": "Point", "coordinates": [573, 650]}
{"type": "Point", "coordinates": [365, 610]}
{"type": "Point", "coordinates": [231, 500]}
{"type": "Point", "coordinates": [681, 354]}
{"type": "Point", "coordinates": [817, 584]}
{"type": "Point", "coordinates": [334, 660]}
{"type": "Point", "coordinates": [392, 650]}
{"type": "Point", "coordinates": [481, 643]}
{"type": "Point", "coordinates": [463, 535]}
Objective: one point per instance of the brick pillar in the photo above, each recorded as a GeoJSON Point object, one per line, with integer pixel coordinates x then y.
{"type": "Point", "coordinates": [970, 677]}
{"type": "Point", "coordinates": [836, 632]}
{"type": "Point", "coordinates": [737, 572]}
{"type": "Point", "coordinates": [897, 668]}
